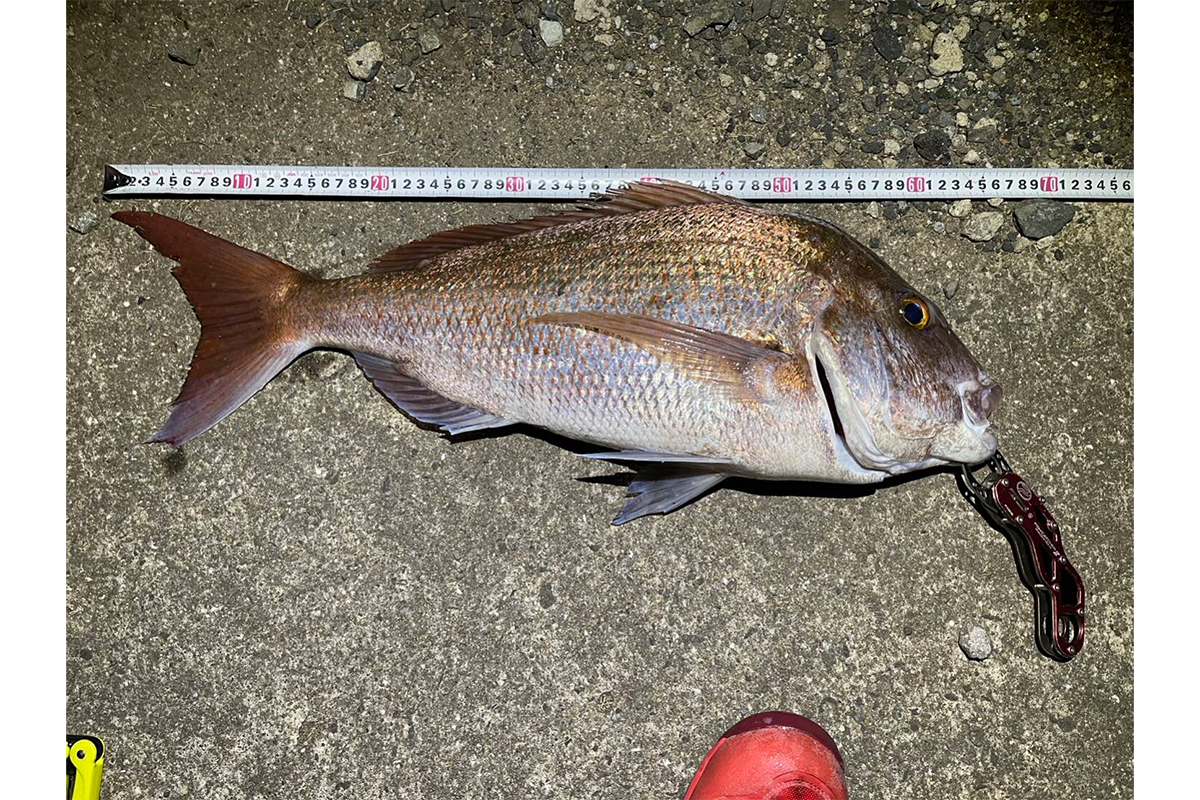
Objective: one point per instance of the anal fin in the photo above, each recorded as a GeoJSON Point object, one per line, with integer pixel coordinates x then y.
{"type": "Point", "coordinates": [660, 494]}
{"type": "Point", "coordinates": [424, 404]}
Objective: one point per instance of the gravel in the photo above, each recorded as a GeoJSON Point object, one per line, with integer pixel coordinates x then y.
{"type": "Point", "coordinates": [184, 53]}
{"type": "Point", "coordinates": [982, 227]}
{"type": "Point", "coordinates": [947, 55]}
{"type": "Point", "coordinates": [960, 208]}
{"type": "Point", "coordinates": [976, 644]}
{"type": "Point", "coordinates": [528, 14]}
{"type": "Point", "coordinates": [429, 42]}
{"type": "Point", "coordinates": [755, 149]}
{"type": "Point", "coordinates": [933, 146]}
{"type": "Point", "coordinates": [830, 35]}
{"type": "Point", "coordinates": [1037, 219]}
{"type": "Point", "coordinates": [534, 49]}
{"type": "Point", "coordinates": [984, 130]}
{"type": "Point", "coordinates": [586, 10]}
{"type": "Point", "coordinates": [403, 79]}
{"type": "Point", "coordinates": [364, 63]}
{"type": "Point", "coordinates": [354, 90]}
{"type": "Point", "coordinates": [551, 31]}
{"type": "Point", "coordinates": [887, 44]}
{"type": "Point", "coordinates": [719, 12]}
{"type": "Point", "coordinates": [85, 223]}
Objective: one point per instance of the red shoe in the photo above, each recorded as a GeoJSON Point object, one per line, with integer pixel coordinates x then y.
{"type": "Point", "coordinates": [771, 756]}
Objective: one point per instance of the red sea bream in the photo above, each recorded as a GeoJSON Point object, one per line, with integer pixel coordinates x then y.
{"type": "Point", "coordinates": [695, 335]}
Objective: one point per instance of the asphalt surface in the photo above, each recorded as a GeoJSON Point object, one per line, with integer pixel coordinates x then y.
{"type": "Point", "coordinates": [319, 599]}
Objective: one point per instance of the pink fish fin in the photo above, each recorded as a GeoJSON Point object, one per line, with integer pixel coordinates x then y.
{"type": "Point", "coordinates": [635, 197]}
{"type": "Point", "coordinates": [644, 195]}
{"type": "Point", "coordinates": [658, 495]}
{"type": "Point", "coordinates": [421, 403]}
{"type": "Point", "coordinates": [646, 455]}
{"type": "Point", "coordinates": [239, 296]}
{"type": "Point", "coordinates": [717, 358]}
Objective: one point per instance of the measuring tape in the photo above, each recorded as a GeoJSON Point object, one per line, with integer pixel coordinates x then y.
{"type": "Point", "coordinates": [554, 183]}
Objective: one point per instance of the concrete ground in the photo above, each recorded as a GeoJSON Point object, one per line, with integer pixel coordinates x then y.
{"type": "Point", "coordinates": [319, 599]}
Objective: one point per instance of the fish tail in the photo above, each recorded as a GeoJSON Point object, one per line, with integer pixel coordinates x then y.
{"type": "Point", "coordinates": [240, 298]}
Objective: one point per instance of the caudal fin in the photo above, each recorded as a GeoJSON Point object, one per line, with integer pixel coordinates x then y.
{"type": "Point", "coordinates": [238, 296]}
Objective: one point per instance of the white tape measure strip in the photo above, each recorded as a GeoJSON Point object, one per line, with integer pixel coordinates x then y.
{"type": "Point", "coordinates": [555, 183]}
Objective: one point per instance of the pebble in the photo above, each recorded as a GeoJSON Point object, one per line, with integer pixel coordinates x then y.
{"type": "Point", "coordinates": [527, 14]}
{"type": "Point", "coordinates": [947, 55]}
{"type": "Point", "coordinates": [758, 114]}
{"type": "Point", "coordinates": [950, 288]}
{"type": "Point", "coordinates": [976, 644]}
{"type": "Point", "coordinates": [873, 211]}
{"type": "Point", "coordinates": [719, 12]}
{"type": "Point", "coordinates": [972, 157]}
{"type": "Point", "coordinates": [364, 63]}
{"type": "Point", "coordinates": [771, 59]}
{"type": "Point", "coordinates": [552, 32]}
{"type": "Point", "coordinates": [755, 149]}
{"type": "Point", "coordinates": [1015, 243]}
{"type": "Point", "coordinates": [887, 44]}
{"type": "Point", "coordinates": [586, 10]}
{"type": "Point", "coordinates": [429, 42]}
{"type": "Point", "coordinates": [184, 53]}
{"type": "Point", "coordinates": [312, 20]}
{"type": "Point", "coordinates": [1037, 219]}
{"type": "Point", "coordinates": [982, 227]}
{"type": "Point", "coordinates": [995, 202]}
{"type": "Point", "coordinates": [960, 208]}
{"type": "Point", "coordinates": [984, 130]}
{"type": "Point", "coordinates": [86, 223]}
{"type": "Point", "coordinates": [403, 79]}
{"type": "Point", "coordinates": [933, 146]}
{"type": "Point", "coordinates": [535, 51]}
{"type": "Point", "coordinates": [354, 90]}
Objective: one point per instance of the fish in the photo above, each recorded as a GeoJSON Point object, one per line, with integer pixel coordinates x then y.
{"type": "Point", "coordinates": [694, 336]}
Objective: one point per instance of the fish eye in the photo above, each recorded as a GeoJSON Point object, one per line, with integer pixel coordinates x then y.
{"type": "Point", "coordinates": [915, 311]}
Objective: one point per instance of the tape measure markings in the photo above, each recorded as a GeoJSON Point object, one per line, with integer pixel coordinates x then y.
{"type": "Point", "coordinates": [556, 183]}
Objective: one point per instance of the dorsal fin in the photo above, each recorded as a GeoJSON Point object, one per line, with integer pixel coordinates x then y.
{"type": "Point", "coordinates": [637, 196]}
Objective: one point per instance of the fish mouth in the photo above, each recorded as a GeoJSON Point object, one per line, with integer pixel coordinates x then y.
{"type": "Point", "coordinates": [853, 442]}
{"type": "Point", "coordinates": [839, 412]}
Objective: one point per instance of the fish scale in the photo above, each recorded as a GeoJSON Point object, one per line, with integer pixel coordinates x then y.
{"type": "Point", "coordinates": [500, 363]}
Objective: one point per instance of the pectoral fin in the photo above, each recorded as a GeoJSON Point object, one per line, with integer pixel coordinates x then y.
{"type": "Point", "coordinates": [662, 494]}
{"type": "Point", "coordinates": [718, 358]}
{"type": "Point", "coordinates": [420, 402]}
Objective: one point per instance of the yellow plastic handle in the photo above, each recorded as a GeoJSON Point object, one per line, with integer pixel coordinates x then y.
{"type": "Point", "coordinates": [88, 760]}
